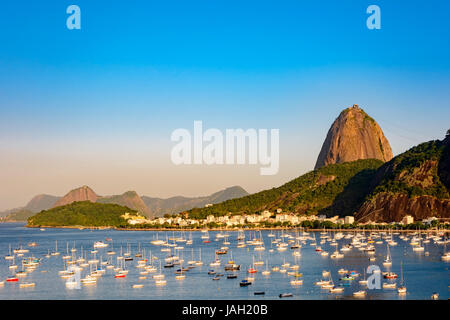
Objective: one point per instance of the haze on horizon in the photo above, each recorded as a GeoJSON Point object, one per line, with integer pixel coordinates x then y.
{"type": "Point", "coordinates": [97, 106]}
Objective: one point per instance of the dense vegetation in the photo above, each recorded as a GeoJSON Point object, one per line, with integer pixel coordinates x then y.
{"type": "Point", "coordinates": [82, 213]}
{"type": "Point", "coordinates": [336, 189]}
{"type": "Point", "coordinates": [407, 164]}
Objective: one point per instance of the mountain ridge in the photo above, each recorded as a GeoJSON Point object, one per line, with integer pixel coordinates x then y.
{"type": "Point", "coordinates": [312, 193]}
{"type": "Point", "coordinates": [160, 206]}
{"type": "Point", "coordinates": [128, 199]}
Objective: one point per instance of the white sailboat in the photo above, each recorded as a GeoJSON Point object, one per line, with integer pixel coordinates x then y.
{"type": "Point", "coordinates": [55, 253]}
{"type": "Point", "coordinates": [364, 281]}
{"type": "Point", "coordinates": [401, 289]}
{"type": "Point", "coordinates": [388, 260]}
{"type": "Point", "coordinates": [332, 287]}
{"type": "Point", "coordinates": [159, 278]}
{"type": "Point", "coordinates": [446, 255]}
{"type": "Point", "coordinates": [199, 261]}
{"type": "Point", "coordinates": [418, 247]}
{"type": "Point", "coordinates": [67, 256]}
{"type": "Point", "coordinates": [9, 257]}
{"type": "Point", "coordinates": [267, 271]}
{"type": "Point", "coordinates": [192, 261]}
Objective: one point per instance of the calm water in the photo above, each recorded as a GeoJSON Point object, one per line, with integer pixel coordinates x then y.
{"type": "Point", "coordinates": [423, 274]}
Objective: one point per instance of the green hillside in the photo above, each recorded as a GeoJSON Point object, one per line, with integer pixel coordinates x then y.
{"type": "Point", "coordinates": [337, 189]}
{"type": "Point", "coordinates": [82, 213]}
{"type": "Point", "coordinates": [416, 172]}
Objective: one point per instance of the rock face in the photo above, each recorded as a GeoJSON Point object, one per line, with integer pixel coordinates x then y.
{"type": "Point", "coordinates": [83, 193]}
{"type": "Point", "coordinates": [414, 183]}
{"type": "Point", "coordinates": [389, 207]}
{"type": "Point", "coordinates": [354, 135]}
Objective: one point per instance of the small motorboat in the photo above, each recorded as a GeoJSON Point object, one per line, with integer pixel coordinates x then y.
{"type": "Point", "coordinates": [120, 275]}
{"type": "Point", "coordinates": [27, 285]}
{"type": "Point", "coordinates": [100, 244]}
{"type": "Point", "coordinates": [347, 277]}
{"type": "Point", "coordinates": [390, 275]}
{"type": "Point", "coordinates": [12, 279]}
{"type": "Point", "coordinates": [296, 282]}
{"type": "Point", "coordinates": [285, 295]}
{"type": "Point", "coordinates": [244, 283]}
{"type": "Point", "coordinates": [232, 266]}
{"type": "Point", "coordinates": [401, 290]}
{"type": "Point", "coordinates": [361, 293]}
{"type": "Point", "coordinates": [336, 289]}
{"type": "Point", "coordinates": [389, 285]}
{"type": "Point", "coordinates": [160, 282]}
{"type": "Point", "coordinates": [252, 270]}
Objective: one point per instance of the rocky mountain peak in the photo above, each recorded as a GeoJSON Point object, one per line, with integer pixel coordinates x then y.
{"type": "Point", "coordinates": [83, 193]}
{"type": "Point", "coordinates": [354, 135]}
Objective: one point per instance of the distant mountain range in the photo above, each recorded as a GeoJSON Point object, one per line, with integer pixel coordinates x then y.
{"type": "Point", "coordinates": [159, 206]}
{"type": "Point", "coordinates": [131, 200]}
{"type": "Point", "coordinates": [151, 207]}
{"type": "Point", "coordinates": [37, 204]}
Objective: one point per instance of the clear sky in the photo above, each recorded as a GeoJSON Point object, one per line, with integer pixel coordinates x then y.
{"type": "Point", "coordinates": [97, 106]}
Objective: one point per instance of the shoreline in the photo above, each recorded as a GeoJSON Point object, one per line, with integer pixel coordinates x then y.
{"type": "Point", "coordinates": [244, 229]}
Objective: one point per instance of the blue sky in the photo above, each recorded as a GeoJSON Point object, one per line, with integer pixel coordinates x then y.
{"type": "Point", "coordinates": [96, 106]}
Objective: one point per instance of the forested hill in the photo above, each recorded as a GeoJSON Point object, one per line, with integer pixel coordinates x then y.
{"type": "Point", "coordinates": [82, 213]}
{"type": "Point", "coordinates": [337, 189]}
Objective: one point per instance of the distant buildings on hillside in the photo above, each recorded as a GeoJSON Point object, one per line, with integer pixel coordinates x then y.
{"type": "Point", "coordinates": [266, 216]}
